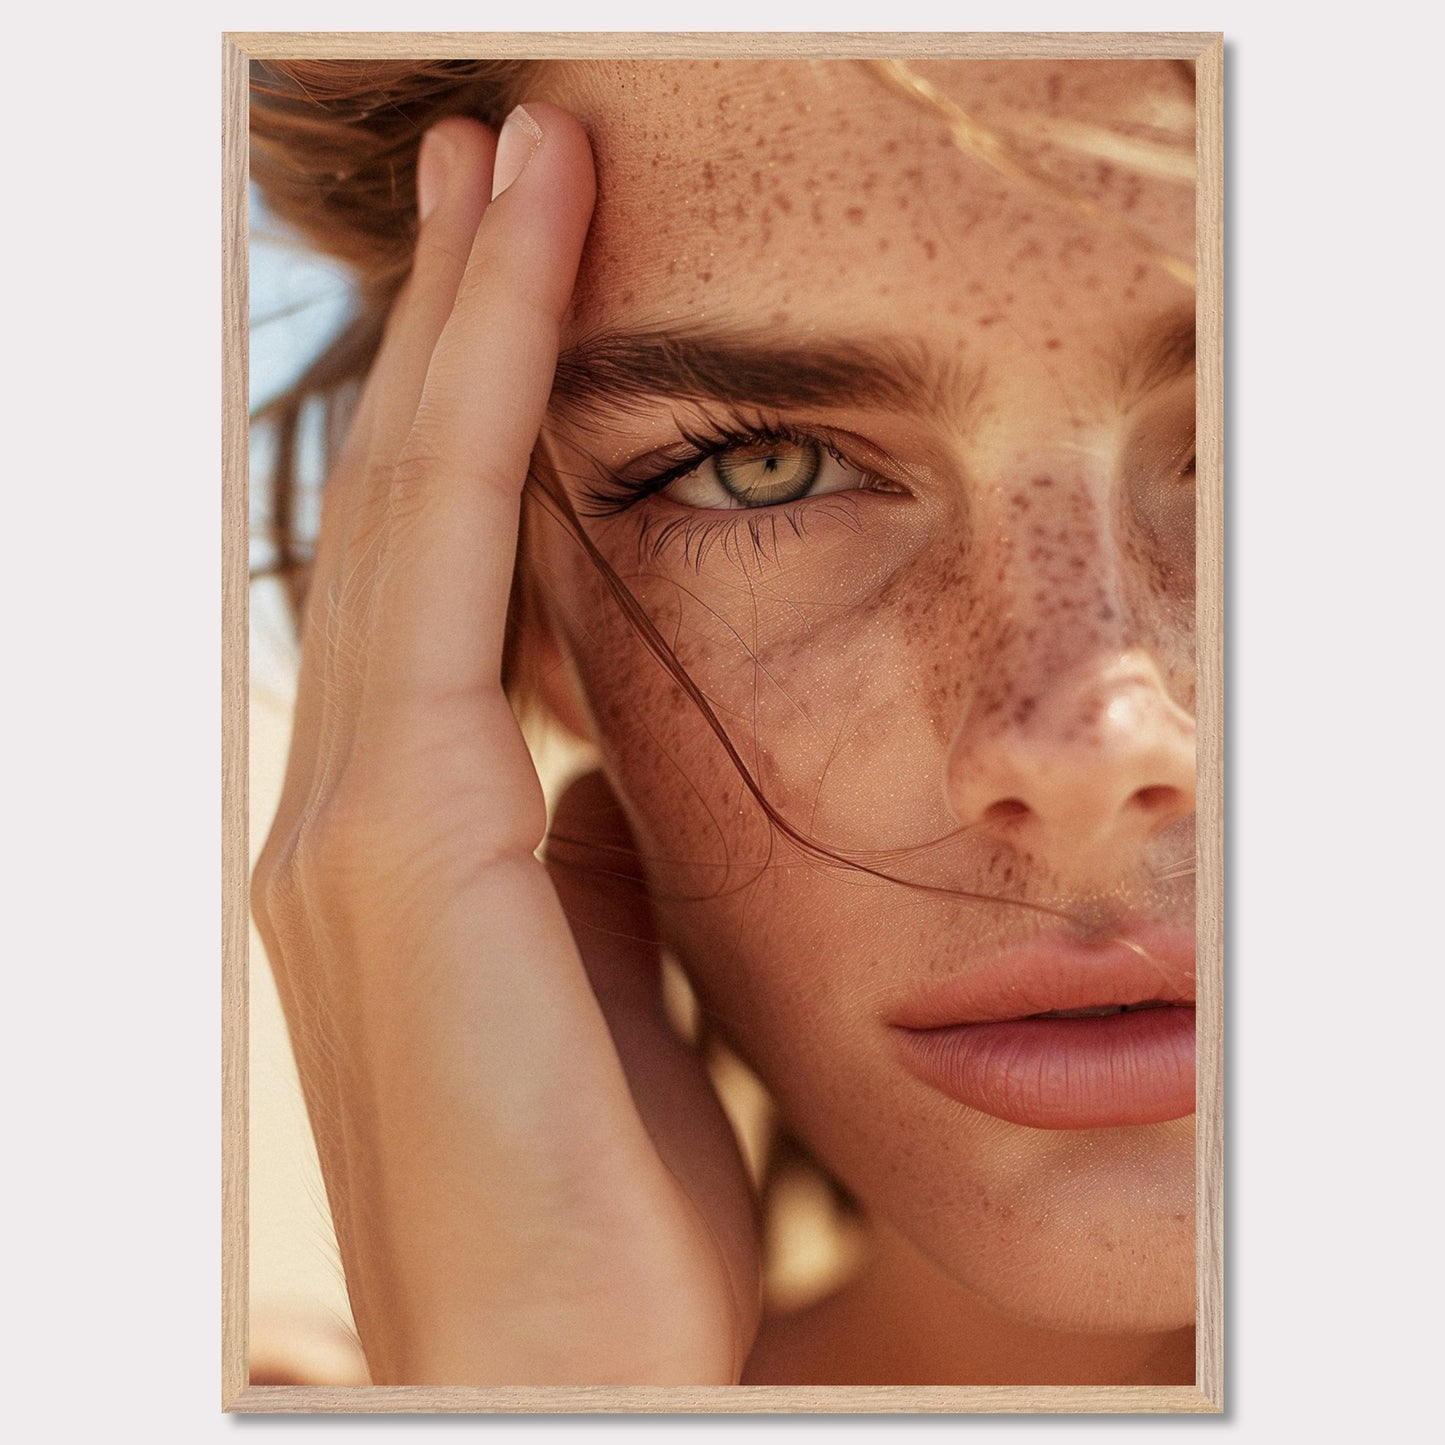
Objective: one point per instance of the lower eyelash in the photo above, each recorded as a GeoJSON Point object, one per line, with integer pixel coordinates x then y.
{"type": "Point", "coordinates": [696, 536]}
{"type": "Point", "coordinates": [757, 530]}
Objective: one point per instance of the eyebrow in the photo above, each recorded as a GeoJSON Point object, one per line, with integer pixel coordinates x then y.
{"type": "Point", "coordinates": [1160, 354]}
{"type": "Point", "coordinates": [743, 367]}
{"type": "Point", "coordinates": [740, 367]}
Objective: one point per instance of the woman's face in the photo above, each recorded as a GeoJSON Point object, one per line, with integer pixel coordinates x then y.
{"type": "Point", "coordinates": [895, 449]}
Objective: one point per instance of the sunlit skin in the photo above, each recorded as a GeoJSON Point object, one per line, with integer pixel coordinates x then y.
{"type": "Point", "coordinates": [859, 541]}
{"type": "Point", "coordinates": [968, 666]}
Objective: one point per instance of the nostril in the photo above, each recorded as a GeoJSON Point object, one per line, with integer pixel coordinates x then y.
{"type": "Point", "coordinates": [1004, 809]}
{"type": "Point", "coordinates": [1156, 798]}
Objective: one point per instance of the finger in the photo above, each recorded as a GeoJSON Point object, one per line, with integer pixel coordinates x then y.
{"type": "Point", "coordinates": [454, 177]}
{"type": "Point", "coordinates": [455, 497]}
{"type": "Point", "coordinates": [456, 164]}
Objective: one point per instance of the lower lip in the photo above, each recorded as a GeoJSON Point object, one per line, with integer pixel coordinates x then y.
{"type": "Point", "coordinates": [1080, 1073]}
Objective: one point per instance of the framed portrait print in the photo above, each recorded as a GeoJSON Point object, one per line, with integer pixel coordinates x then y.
{"type": "Point", "coordinates": [723, 705]}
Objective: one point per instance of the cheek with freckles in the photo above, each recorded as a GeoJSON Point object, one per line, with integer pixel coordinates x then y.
{"type": "Point", "coordinates": [822, 663]}
{"type": "Point", "coordinates": [842, 664]}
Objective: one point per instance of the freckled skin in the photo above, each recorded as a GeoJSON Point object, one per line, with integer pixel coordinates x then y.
{"type": "Point", "coordinates": [872, 670]}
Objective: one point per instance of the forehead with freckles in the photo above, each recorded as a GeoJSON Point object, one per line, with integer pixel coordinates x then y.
{"type": "Point", "coordinates": [811, 196]}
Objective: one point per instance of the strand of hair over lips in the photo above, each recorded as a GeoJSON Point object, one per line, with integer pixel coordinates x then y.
{"type": "Point", "coordinates": [990, 149]}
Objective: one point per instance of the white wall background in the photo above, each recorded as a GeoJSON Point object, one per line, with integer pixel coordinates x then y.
{"type": "Point", "coordinates": [110, 594]}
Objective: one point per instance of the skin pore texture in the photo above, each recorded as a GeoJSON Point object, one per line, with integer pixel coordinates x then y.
{"type": "Point", "coordinates": [965, 663]}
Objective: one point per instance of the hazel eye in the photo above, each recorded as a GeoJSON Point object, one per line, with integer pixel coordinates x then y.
{"type": "Point", "coordinates": [764, 473]}
{"type": "Point", "coordinates": [768, 472]}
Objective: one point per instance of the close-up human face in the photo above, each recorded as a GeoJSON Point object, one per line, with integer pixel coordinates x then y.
{"type": "Point", "coordinates": [890, 435]}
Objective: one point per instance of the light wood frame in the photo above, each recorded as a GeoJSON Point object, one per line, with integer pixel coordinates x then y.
{"type": "Point", "coordinates": [1207, 1395]}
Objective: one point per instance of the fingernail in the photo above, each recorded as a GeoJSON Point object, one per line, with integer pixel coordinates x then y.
{"type": "Point", "coordinates": [432, 164]}
{"type": "Point", "coordinates": [520, 137]}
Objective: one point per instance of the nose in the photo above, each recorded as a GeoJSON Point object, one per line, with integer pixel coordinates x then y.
{"type": "Point", "coordinates": [1095, 763]}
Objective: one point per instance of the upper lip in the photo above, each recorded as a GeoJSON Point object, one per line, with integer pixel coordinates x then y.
{"type": "Point", "coordinates": [1058, 972]}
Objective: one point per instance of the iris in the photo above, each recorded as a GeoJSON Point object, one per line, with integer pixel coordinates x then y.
{"type": "Point", "coordinates": [765, 473]}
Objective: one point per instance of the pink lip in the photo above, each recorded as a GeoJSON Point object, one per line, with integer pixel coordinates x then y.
{"type": "Point", "coordinates": [973, 1037]}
